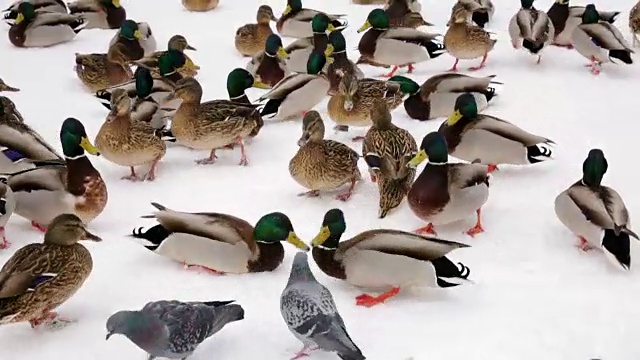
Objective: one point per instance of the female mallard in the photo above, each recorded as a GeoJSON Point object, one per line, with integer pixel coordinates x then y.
{"type": "Point", "coordinates": [397, 11]}
{"type": "Point", "coordinates": [479, 12]}
{"type": "Point", "coordinates": [467, 41]}
{"type": "Point", "coordinates": [298, 52]}
{"type": "Point", "coordinates": [211, 125]}
{"type": "Point", "coordinates": [384, 259]}
{"type": "Point", "coordinates": [42, 29]}
{"type": "Point", "coordinates": [341, 64]}
{"type": "Point", "coordinates": [40, 277]}
{"type": "Point", "coordinates": [323, 165]}
{"type": "Point", "coordinates": [296, 20]}
{"type": "Point", "coordinates": [55, 6]}
{"type": "Point", "coordinates": [566, 19]}
{"type": "Point", "coordinates": [437, 96]}
{"type": "Point", "coordinates": [352, 104]}
{"type": "Point", "coordinates": [493, 141]}
{"type": "Point", "coordinates": [595, 213]}
{"type": "Point", "coordinates": [200, 5]}
{"type": "Point", "coordinates": [99, 71]}
{"type": "Point", "coordinates": [129, 142]}
{"type": "Point", "coordinates": [444, 192]}
{"type": "Point", "coordinates": [297, 93]}
{"type": "Point", "coordinates": [43, 194]}
{"type": "Point", "coordinates": [9, 107]}
{"type": "Point", "coordinates": [384, 46]}
{"type": "Point", "coordinates": [99, 14]}
{"type": "Point", "coordinates": [531, 29]}
{"type": "Point", "coordinates": [599, 41]}
{"type": "Point", "coordinates": [177, 43]}
{"type": "Point", "coordinates": [269, 67]}
{"type": "Point", "coordinates": [634, 23]}
{"type": "Point", "coordinates": [251, 38]}
{"type": "Point", "coordinates": [219, 242]}
{"type": "Point", "coordinates": [387, 150]}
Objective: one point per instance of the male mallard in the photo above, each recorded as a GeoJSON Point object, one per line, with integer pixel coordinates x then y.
{"type": "Point", "coordinates": [297, 93]}
{"type": "Point", "coordinates": [144, 107]}
{"type": "Point", "coordinates": [40, 277]}
{"type": "Point", "coordinates": [387, 150]}
{"type": "Point", "coordinates": [211, 125]}
{"type": "Point", "coordinates": [57, 6]}
{"type": "Point", "coordinates": [595, 213]}
{"type": "Point", "coordinates": [129, 142]}
{"type": "Point", "coordinates": [566, 18]}
{"type": "Point", "coordinates": [43, 194]}
{"type": "Point", "coordinates": [493, 141]}
{"type": "Point", "coordinates": [600, 41]}
{"type": "Point", "coordinates": [296, 20]}
{"type": "Point", "coordinates": [444, 192]}
{"type": "Point", "coordinates": [437, 96]}
{"type": "Point", "coordinates": [298, 52]}
{"type": "Point", "coordinates": [99, 71]}
{"type": "Point", "coordinates": [130, 38]}
{"type": "Point", "coordinates": [384, 46]}
{"type": "Point", "coordinates": [219, 242]}
{"type": "Point", "coordinates": [321, 164]}
{"type": "Point", "coordinates": [42, 29]}
{"type": "Point", "coordinates": [177, 43]}
{"type": "Point", "coordinates": [634, 23]}
{"type": "Point", "coordinates": [99, 14]}
{"type": "Point", "coordinates": [251, 38]}
{"type": "Point", "coordinates": [337, 49]}
{"type": "Point", "coordinates": [384, 259]}
{"type": "Point", "coordinates": [200, 5]}
{"type": "Point", "coordinates": [397, 11]}
{"type": "Point", "coordinates": [8, 106]}
{"type": "Point", "coordinates": [531, 29]}
{"type": "Point", "coordinates": [269, 66]}
{"type": "Point", "coordinates": [467, 41]}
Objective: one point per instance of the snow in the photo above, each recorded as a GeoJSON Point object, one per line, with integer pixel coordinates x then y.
{"type": "Point", "coordinates": [535, 294]}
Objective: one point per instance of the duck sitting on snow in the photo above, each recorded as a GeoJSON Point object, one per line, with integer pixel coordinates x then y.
{"type": "Point", "coordinates": [137, 37]}
{"type": "Point", "coordinates": [269, 66]}
{"type": "Point", "coordinates": [250, 39]}
{"type": "Point", "coordinates": [57, 6]}
{"type": "Point", "coordinates": [43, 29]}
{"type": "Point", "coordinates": [296, 21]}
{"type": "Point", "coordinates": [176, 43]}
{"type": "Point", "coordinates": [100, 14]}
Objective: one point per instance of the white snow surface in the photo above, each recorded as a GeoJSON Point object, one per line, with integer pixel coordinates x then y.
{"type": "Point", "coordinates": [535, 295]}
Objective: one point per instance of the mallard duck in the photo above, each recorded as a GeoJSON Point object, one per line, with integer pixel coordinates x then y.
{"type": "Point", "coordinates": [437, 96]}
{"type": "Point", "coordinates": [211, 125]}
{"type": "Point", "coordinates": [384, 46]}
{"type": "Point", "coordinates": [566, 18]}
{"type": "Point", "coordinates": [444, 192]}
{"type": "Point", "coordinates": [57, 6]}
{"type": "Point", "coordinates": [296, 21]}
{"type": "Point", "coordinates": [130, 38]}
{"type": "Point", "coordinates": [599, 41]}
{"type": "Point", "coordinates": [219, 242]}
{"type": "Point", "coordinates": [595, 213]}
{"type": "Point", "coordinates": [384, 259]}
{"type": "Point", "coordinates": [177, 43]}
{"type": "Point", "coordinates": [144, 107]}
{"type": "Point", "coordinates": [531, 28]}
{"type": "Point", "coordinates": [129, 142]}
{"type": "Point", "coordinates": [352, 104]}
{"type": "Point", "coordinates": [200, 5]}
{"type": "Point", "coordinates": [634, 23]}
{"type": "Point", "coordinates": [99, 71]}
{"type": "Point", "coordinates": [298, 52]}
{"type": "Point", "coordinates": [467, 41]}
{"type": "Point", "coordinates": [43, 29]}
{"type": "Point", "coordinates": [43, 194]}
{"type": "Point", "coordinates": [269, 66]}
{"type": "Point", "coordinates": [337, 50]}
{"type": "Point", "coordinates": [323, 165]}
{"type": "Point", "coordinates": [387, 150]}
{"type": "Point", "coordinates": [9, 108]}
{"type": "Point", "coordinates": [397, 11]}
{"type": "Point", "coordinates": [100, 14]}
{"type": "Point", "coordinates": [297, 93]}
{"type": "Point", "coordinates": [478, 12]}
{"type": "Point", "coordinates": [40, 277]}
{"type": "Point", "coordinates": [252, 38]}
{"type": "Point", "coordinates": [494, 141]}
{"type": "Point", "coordinates": [412, 20]}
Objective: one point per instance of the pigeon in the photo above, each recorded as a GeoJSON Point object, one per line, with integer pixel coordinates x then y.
{"type": "Point", "coordinates": [173, 329]}
{"type": "Point", "coordinates": [311, 314]}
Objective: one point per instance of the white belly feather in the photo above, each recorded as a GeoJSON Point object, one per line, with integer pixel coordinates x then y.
{"type": "Point", "coordinates": [296, 29]}
{"type": "Point", "coordinates": [396, 52]}
{"type": "Point", "coordinates": [463, 204]}
{"type": "Point", "coordinates": [490, 148]}
{"type": "Point", "coordinates": [49, 35]}
{"type": "Point", "coordinates": [42, 206]}
{"type": "Point", "coordinates": [303, 99]}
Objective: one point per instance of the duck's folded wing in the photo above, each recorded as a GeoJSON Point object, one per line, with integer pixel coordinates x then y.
{"type": "Point", "coordinates": [462, 176]}
{"type": "Point", "coordinates": [25, 270]}
{"type": "Point", "coordinates": [457, 83]}
{"type": "Point", "coordinates": [54, 19]}
{"type": "Point", "coordinates": [607, 36]}
{"type": "Point", "coordinates": [299, 44]}
{"type": "Point", "coordinates": [542, 27]}
{"type": "Point", "coordinates": [592, 205]}
{"type": "Point", "coordinates": [84, 6]}
{"type": "Point", "coordinates": [524, 22]}
{"type": "Point", "coordinates": [289, 84]}
{"type": "Point", "coordinates": [508, 130]}
{"type": "Point", "coordinates": [306, 15]}
{"type": "Point", "coordinates": [409, 35]}
{"type": "Point", "coordinates": [39, 179]}
{"type": "Point", "coordinates": [617, 209]}
{"type": "Point", "coordinates": [20, 137]}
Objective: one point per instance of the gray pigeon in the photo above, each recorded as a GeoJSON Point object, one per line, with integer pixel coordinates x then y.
{"type": "Point", "coordinates": [311, 314]}
{"type": "Point", "coordinates": [173, 329]}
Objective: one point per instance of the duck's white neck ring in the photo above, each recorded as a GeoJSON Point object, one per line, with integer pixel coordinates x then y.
{"type": "Point", "coordinates": [340, 52]}
{"type": "Point", "coordinates": [324, 248]}
{"type": "Point", "coordinates": [75, 157]}
{"type": "Point", "coordinates": [236, 97]}
{"type": "Point", "coordinates": [269, 55]}
{"type": "Point", "coordinates": [438, 163]}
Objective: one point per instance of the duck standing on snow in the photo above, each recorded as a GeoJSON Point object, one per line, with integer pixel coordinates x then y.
{"type": "Point", "coordinates": [298, 52]}
{"type": "Point", "coordinates": [337, 49]}
{"type": "Point", "coordinates": [200, 5]}
{"type": "Point", "coordinates": [321, 164]}
{"type": "Point", "coordinates": [56, 6]}
{"type": "Point", "coordinates": [634, 23]}
{"type": "Point", "coordinates": [220, 243]}
{"type": "Point", "coordinates": [251, 39]}
{"type": "Point", "coordinates": [531, 29]}
{"type": "Point", "coordinates": [296, 21]}
{"type": "Point", "coordinates": [269, 67]}
{"type": "Point", "coordinates": [99, 71]}
{"type": "Point", "coordinates": [137, 37]}
{"type": "Point", "coordinates": [437, 96]}
{"type": "Point", "coordinates": [40, 277]}
{"type": "Point", "coordinates": [384, 46]}
{"type": "Point", "coordinates": [566, 18]}
{"type": "Point", "coordinates": [595, 213]}
{"type": "Point", "coordinates": [43, 29]}
{"type": "Point", "coordinates": [467, 41]}
{"type": "Point", "coordinates": [8, 106]}
{"type": "Point", "coordinates": [177, 43]}
{"type": "Point", "coordinates": [599, 41]}
{"type": "Point", "coordinates": [446, 192]}
{"type": "Point", "coordinates": [100, 14]}
{"type": "Point", "coordinates": [471, 136]}
{"type": "Point", "coordinates": [384, 259]}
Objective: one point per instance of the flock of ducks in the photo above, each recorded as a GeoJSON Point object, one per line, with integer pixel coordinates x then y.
{"type": "Point", "coordinates": [160, 104]}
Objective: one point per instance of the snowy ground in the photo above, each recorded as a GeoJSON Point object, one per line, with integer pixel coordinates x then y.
{"type": "Point", "coordinates": [535, 295]}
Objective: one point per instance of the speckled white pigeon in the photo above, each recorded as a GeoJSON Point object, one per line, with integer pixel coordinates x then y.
{"type": "Point", "coordinates": [311, 314]}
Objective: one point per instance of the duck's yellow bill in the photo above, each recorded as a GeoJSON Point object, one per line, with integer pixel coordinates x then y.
{"type": "Point", "coordinates": [190, 65]}
{"type": "Point", "coordinates": [322, 236]}
{"type": "Point", "coordinates": [260, 85]}
{"type": "Point", "coordinates": [138, 34]}
{"type": "Point", "coordinates": [287, 10]}
{"type": "Point", "coordinates": [295, 241]}
{"type": "Point", "coordinates": [418, 159]}
{"type": "Point", "coordinates": [454, 118]}
{"type": "Point", "coordinates": [364, 27]}
{"type": "Point", "coordinates": [329, 50]}
{"type": "Point", "coordinates": [88, 146]}
{"type": "Point", "coordinates": [19, 19]}
{"type": "Point", "coordinates": [116, 3]}
{"type": "Point", "coordinates": [282, 53]}
{"type": "Point", "coordinates": [331, 28]}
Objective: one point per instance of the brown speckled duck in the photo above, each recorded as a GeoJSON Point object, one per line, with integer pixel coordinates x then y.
{"type": "Point", "coordinates": [269, 66]}
{"type": "Point", "coordinates": [467, 41]}
{"type": "Point", "coordinates": [397, 11]}
{"type": "Point", "coordinates": [177, 43]}
{"type": "Point", "coordinates": [43, 29]}
{"type": "Point", "coordinates": [251, 39]}
{"type": "Point", "coordinates": [99, 14]}
{"type": "Point", "coordinates": [100, 71]}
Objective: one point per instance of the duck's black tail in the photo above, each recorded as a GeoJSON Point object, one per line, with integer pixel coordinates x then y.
{"type": "Point", "coordinates": [490, 93]}
{"type": "Point", "coordinates": [618, 246]}
{"type": "Point", "coordinates": [623, 55]}
{"type": "Point", "coordinates": [532, 46]}
{"type": "Point", "coordinates": [155, 235]}
{"type": "Point", "coordinates": [449, 274]}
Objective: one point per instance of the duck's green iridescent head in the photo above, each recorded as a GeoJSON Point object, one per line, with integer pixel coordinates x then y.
{"type": "Point", "coordinates": [337, 43]}
{"type": "Point", "coordinates": [276, 227]}
{"type": "Point", "coordinates": [273, 47]}
{"type": "Point", "coordinates": [292, 5]}
{"type": "Point", "coordinates": [26, 11]}
{"type": "Point", "coordinates": [316, 62]}
{"type": "Point", "coordinates": [129, 30]}
{"type": "Point", "coordinates": [526, 4]}
{"type": "Point", "coordinates": [320, 23]}
{"type": "Point", "coordinates": [407, 86]}
{"type": "Point", "coordinates": [594, 168]}
{"type": "Point", "coordinates": [333, 226]}
{"type": "Point", "coordinates": [465, 107]}
{"type": "Point", "coordinates": [74, 139]}
{"type": "Point", "coordinates": [590, 15]}
{"type": "Point", "coordinates": [111, 3]}
{"type": "Point", "coordinates": [170, 62]}
{"type": "Point", "coordinates": [377, 19]}
{"type": "Point", "coordinates": [144, 82]}
{"type": "Point", "coordinates": [434, 148]}
{"type": "Point", "coordinates": [238, 81]}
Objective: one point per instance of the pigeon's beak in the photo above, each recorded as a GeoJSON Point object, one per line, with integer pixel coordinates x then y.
{"type": "Point", "coordinates": [108, 335]}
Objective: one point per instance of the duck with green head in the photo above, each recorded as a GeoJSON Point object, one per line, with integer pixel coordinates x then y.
{"type": "Point", "coordinates": [43, 29]}
{"type": "Point", "coordinates": [176, 43]}
{"type": "Point", "coordinates": [566, 18]}
{"type": "Point", "coordinates": [337, 49]}
{"type": "Point", "coordinates": [10, 14]}
{"type": "Point", "coordinates": [78, 189]}
{"type": "Point", "coordinates": [296, 21]}
{"type": "Point", "coordinates": [298, 51]}
{"type": "Point", "coordinates": [100, 14]}
{"type": "Point", "coordinates": [596, 214]}
{"type": "Point", "coordinates": [384, 260]}
{"type": "Point", "coordinates": [269, 67]}
{"type": "Point", "coordinates": [130, 37]}
{"type": "Point", "coordinates": [220, 243]}
{"type": "Point", "coordinates": [446, 192]}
